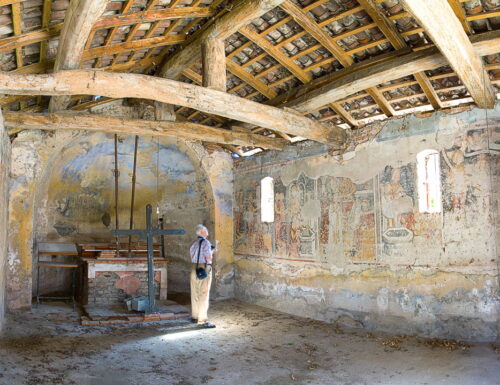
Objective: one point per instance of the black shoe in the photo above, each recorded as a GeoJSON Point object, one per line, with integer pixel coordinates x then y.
{"type": "Point", "coordinates": [207, 325]}
{"type": "Point", "coordinates": [193, 320]}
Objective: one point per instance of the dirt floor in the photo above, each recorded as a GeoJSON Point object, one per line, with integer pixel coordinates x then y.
{"type": "Point", "coordinates": [251, 345]}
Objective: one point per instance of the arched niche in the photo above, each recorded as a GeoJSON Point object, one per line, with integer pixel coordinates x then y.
{"type": "Point", "coordinates": [74, 199]}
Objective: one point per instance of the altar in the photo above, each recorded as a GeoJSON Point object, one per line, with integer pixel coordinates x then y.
{"type": "Point", "coordinates": [112, 274]}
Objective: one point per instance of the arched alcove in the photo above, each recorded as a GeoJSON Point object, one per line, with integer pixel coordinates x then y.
{"type": "Point", "coordinates": [74, 200]}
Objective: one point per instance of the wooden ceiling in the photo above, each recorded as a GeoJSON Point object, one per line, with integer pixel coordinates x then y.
{"type": "Point", "coordinates": [341, 62]}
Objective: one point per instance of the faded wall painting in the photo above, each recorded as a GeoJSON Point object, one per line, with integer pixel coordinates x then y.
{"type": "Point", "coordinates": [329, 219]}
{"type": "Point", "coordinates": [315, 219]}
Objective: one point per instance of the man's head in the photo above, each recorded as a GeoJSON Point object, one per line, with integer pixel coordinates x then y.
{"type": "Point", "coordinates": [201, 231]}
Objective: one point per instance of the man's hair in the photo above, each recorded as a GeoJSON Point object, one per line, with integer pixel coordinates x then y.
{"type": "Point", "coordinates": [199, 229]}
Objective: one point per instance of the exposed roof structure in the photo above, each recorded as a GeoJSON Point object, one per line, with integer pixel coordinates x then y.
{"type": "Point", "coordinates": [287, 55]}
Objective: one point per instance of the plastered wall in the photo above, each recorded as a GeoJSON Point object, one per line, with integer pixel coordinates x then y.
{"type": "Point", "coordinates": [349, 244]}
{"type": "Point", "coordinates": [62, 190]}
{"type": "Point", "coordinates": [4, 189]}
{"type": "Point", "coordinates": [77, 199]}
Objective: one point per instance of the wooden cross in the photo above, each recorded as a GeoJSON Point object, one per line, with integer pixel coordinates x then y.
{"type": "Point", "coordinates": [149, 233]}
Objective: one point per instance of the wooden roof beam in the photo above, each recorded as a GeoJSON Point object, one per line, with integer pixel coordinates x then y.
{"type": "Point", "coordinates": [443, 27]}
{"type": "Point", "coordinates": [219, 28]}
{"type": "Point", "coordinates": [348, 81]}
{"type": "Point", "coordinates": [18, 121]}
{"type": "Point", "coordinates": [126, 85]}
{"type": "Point", "coordinates": [389, 30]}
{"type": "Point", "coordinates": [78, 21]}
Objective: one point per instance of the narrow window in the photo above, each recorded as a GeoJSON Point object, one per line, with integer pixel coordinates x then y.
{"type": "Point", "coordinates": [267, 199]}
{"type": "Point", "coordinates": [429, 181]}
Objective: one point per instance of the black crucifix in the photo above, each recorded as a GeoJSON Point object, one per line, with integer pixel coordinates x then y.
{"type": "Point", "coordinates": [149, 234]}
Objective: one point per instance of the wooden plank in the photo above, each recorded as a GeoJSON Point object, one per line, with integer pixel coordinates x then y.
{"type": "Point", "coordinates": [378, 98]}
{"type": "Point", "coordinates": [78, 21]}
{"type": "Point", "coordinates": [219, 27]}
{"type": "Point", "coordinates": [15, 122]}
{"type": "Point", "coordinates": [120, 85]}
{"type": "Point", "coordinates": [127, 46]}
{"type": "Point", "coordinates": [153, 16]}
{"type": "Point", "coordinates": [13, 42]}
{"type": "Point", "coordinates": [16, 24]}
{"type": "Point", "coordinates": [46, 13]}
{"type": "Point", "coordinates": [429, 91]}
{"type": "Point", "coordinates": [349, 81]}
{"type": "Point", "coordinates": [444, 28]}
{"type": "Point", "coordinates": [10, 2]}
{"type": "Point", "coordinates": [213, 61]}
{"type": "Point", "coordinates": [276, 53]}
{"type": "Point", "coordinates": [346, 116]}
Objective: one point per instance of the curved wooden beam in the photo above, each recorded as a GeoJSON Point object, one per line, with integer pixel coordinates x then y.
{"type": "Point", "coordinates": [126, 85]}
{"type": "Point", "coordinates": [19, 121]}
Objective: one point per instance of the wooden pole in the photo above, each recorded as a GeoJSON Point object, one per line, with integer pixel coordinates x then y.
{"type": "Point", "coordinates": [116, 173]}
{"type": "Point", "coordinates": [132, 199]}
{"type": "Point", "coordinates": [214, 64]}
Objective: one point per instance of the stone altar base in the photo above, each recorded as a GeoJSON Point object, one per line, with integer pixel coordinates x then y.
{"type": "Point", "coordinates": [117, 314]}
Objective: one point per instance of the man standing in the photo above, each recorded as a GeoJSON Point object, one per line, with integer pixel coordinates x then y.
{"type": "Point", "coordinates": [201, 256]}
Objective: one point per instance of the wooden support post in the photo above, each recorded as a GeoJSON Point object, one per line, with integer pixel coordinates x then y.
{"type": "Point", "coordinates": [214, 64]}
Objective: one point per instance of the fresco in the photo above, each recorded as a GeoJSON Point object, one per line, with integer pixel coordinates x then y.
{"type": "Point", "coordinates": [315, 220]}
{"type": "Point", "coordinates": [331, 219]}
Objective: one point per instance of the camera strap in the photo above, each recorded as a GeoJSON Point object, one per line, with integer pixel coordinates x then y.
{"type": "Point", "coordinates": [199, 250]}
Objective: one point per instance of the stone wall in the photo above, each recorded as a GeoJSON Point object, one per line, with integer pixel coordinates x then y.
{"type": "Point", "coordinates": [4, 194]}
{"type": "Point", "coordinates": [349, 244]}
{"type": "Point", "coordinates": [111, 287]}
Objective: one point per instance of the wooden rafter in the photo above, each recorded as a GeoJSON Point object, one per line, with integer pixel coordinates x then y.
{"type": "Point", "coordinates": [104, 83]}
{"type": "Point", "coordinates": [398, 42]}
{"type": "Point", "coordinates": [153, 16]}
{"type": "Point", "coordinates": [80, 16]}
{"type": "Point", "coordinates": [276, 53]}
{"type": "Point", "coordinates": [16, 122]}
{"type": "Point", "coordinates": [343, 57]}
{"type": "Point", "coordinates": [16, 24]}
{"type": "Point", "coordinates": [445, 30]}
{"type": "Point", "coordinates": [15, 42]}
{"type": "Point", "coordinates": [220, 27]}
{"type": "Point", "coordinates": [350, 80]}
{"type": "Point", "coordinates": [135, 28]}
{"type": "Point", "coordinates": [128, 46]}
{"type": "Point", "coordinates": [111, 34]}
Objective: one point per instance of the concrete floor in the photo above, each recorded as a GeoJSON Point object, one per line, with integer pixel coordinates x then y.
{"type": "Point", "coordinates": [251, 345]}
